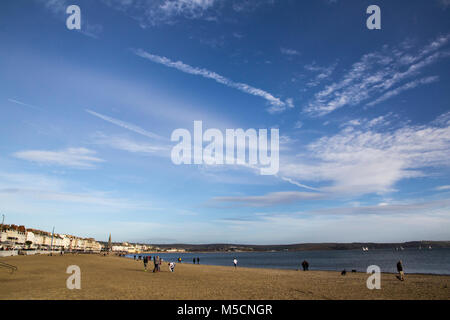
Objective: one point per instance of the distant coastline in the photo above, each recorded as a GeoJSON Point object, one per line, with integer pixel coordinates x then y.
{"type": "Point", "coordinates": [221, 247]}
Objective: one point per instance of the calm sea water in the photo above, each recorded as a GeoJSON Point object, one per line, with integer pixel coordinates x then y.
{"type": "Point", "coordinates": [435, 261]}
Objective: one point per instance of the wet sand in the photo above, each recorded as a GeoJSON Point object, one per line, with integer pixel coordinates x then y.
{"type": "Point", "coordinates": [112, 277]}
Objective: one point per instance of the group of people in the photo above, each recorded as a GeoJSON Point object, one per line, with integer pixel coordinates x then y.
{"type": "Point", "coordinates": [401, 273]}
{"type": "Point", "coordinates": [157, 262]}
{"type": "Point", "coordinates": [194, 260]}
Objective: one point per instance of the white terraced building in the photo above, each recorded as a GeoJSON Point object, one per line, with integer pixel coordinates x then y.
{"type": "Point", "coordinates": [18, 237]}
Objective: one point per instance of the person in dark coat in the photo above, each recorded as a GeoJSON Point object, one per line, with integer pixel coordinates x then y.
{"type": "Point", "coordinates": [145, 263]}
{"type": "Point", "coordinates": [198, 260]}
{"type": "Point", "coordinates": [155, 262]}
{"type": "Point", "coordinates": [400, 270]}
{"type": "Point", "coordinates": [305, 265]}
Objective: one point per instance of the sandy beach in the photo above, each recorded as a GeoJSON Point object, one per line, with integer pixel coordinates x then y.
{"type": "Point", "coordinates": [112, 277]}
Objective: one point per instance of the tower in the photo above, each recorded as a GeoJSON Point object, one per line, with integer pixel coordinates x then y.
{"type": "Point", "coordinates": [109, 243]}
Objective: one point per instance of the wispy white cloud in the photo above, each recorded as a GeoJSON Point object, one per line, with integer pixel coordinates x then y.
{"type": "Point", "coordinates": [442, 188]}
{"type": "Point", "coordinates": [99, 199]}
{"type": "Point", "coordinates": [424, 207]}
{"type": "Point", "coordinates": [365, 123]}
{"type": "Point", "coordinates": [366, 158]}
{"type": "Point", "coordinates": [126, 125]}
{"type": "Point", "coordinates": [81, 158]}
{"type": "Point", "coordinates": [290, 102]}
{"type": "Point", "coordinates": [250, 5]}
{"type": "Point", "coordinates": [376, 73]}
{"type": "Point", "coordinates": [269, 199]}
{"type": "Point", "coordinates": [407, 86]}
{"type": "Point", "coordinates": [188, 8]}
{"type": "Point", "coordinates": [155, 12]}
{"type": "Point", "coordinates": [399, 222]}
{"type": "Point", "coordinates": [37, 189]}
{"type": "Point", "coordinates": [34, 181]}
{"type": "Point", "coordinates": [298, 125]}
{"type": "Point", "coordinates": [289, 52]}
{"type": "Point", "coordinates": [443, 120]}
{"type": "Point", "coordinates": [277, 105]}
{"type": "Point", "coordinates": [57, 7]}
{"type": "Point", "coordinates": [409, 207]}
{"type": "Point", "coordinates": [91, 30]}
{"type": "Point", "coordinates": [321, 73]}
{"type": "Point", "coordinates": [444, 3]}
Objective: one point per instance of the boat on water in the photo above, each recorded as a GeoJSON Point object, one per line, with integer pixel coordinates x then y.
{"type": "Point", "coordinates": [365, 248]}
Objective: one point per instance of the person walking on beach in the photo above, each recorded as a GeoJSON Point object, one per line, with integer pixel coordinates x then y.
{"type": "Point", "coordinates": [155, 263]}
{"type": "Point", "coordinates": [160, 260]}
{"type": "Point", "coordinates": [145, 263]}
{"type": "Point", "coordinates": [193, 260]}
{"type": "Point", "coordinates": [171, 266]}
{"type": "Point", "coordinates": [305, 265]}
{"type": "Point", "coordinates": [235, 263]}
{"type": "Point", "coordinates": [400, 270]}
{"type": "Point", "coordinates": [198, 260]}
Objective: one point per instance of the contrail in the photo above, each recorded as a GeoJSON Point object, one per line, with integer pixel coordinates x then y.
{"type": "Point", "coordinates": [276, 103]}
{"type": "Point", "coordinates": [127, 125]}
{"type": "Point", "coordinates": [25, 104]}
{"type": "Point", "coordinates": [298, 184]}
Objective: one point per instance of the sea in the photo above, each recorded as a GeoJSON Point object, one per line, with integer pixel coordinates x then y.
{"type": "Point", "coordinates": [424, 261]}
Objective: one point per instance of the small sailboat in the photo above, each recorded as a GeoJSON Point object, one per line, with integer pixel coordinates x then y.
{"type": "Point", "coordinates": [429, 247]}
{"type": "Point", "coordinates": [401, 248]}
{"type": "Point", "coordinates": [365, 248]}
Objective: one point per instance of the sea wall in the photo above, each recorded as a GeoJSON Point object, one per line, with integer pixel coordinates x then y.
{"type": "Point", "coordinates": [9, 253]}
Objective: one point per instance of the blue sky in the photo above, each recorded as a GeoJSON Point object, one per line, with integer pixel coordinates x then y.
{"type": "Point", "coordinates": [363, 116]}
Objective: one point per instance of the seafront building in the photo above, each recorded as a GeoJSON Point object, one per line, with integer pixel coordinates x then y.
{"type": "Point", "coordinates": [129, 248]}
{"type": "Point", "coordinates": [126, 247]}
{"type": "Point", "coordinates": [13, 237]}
